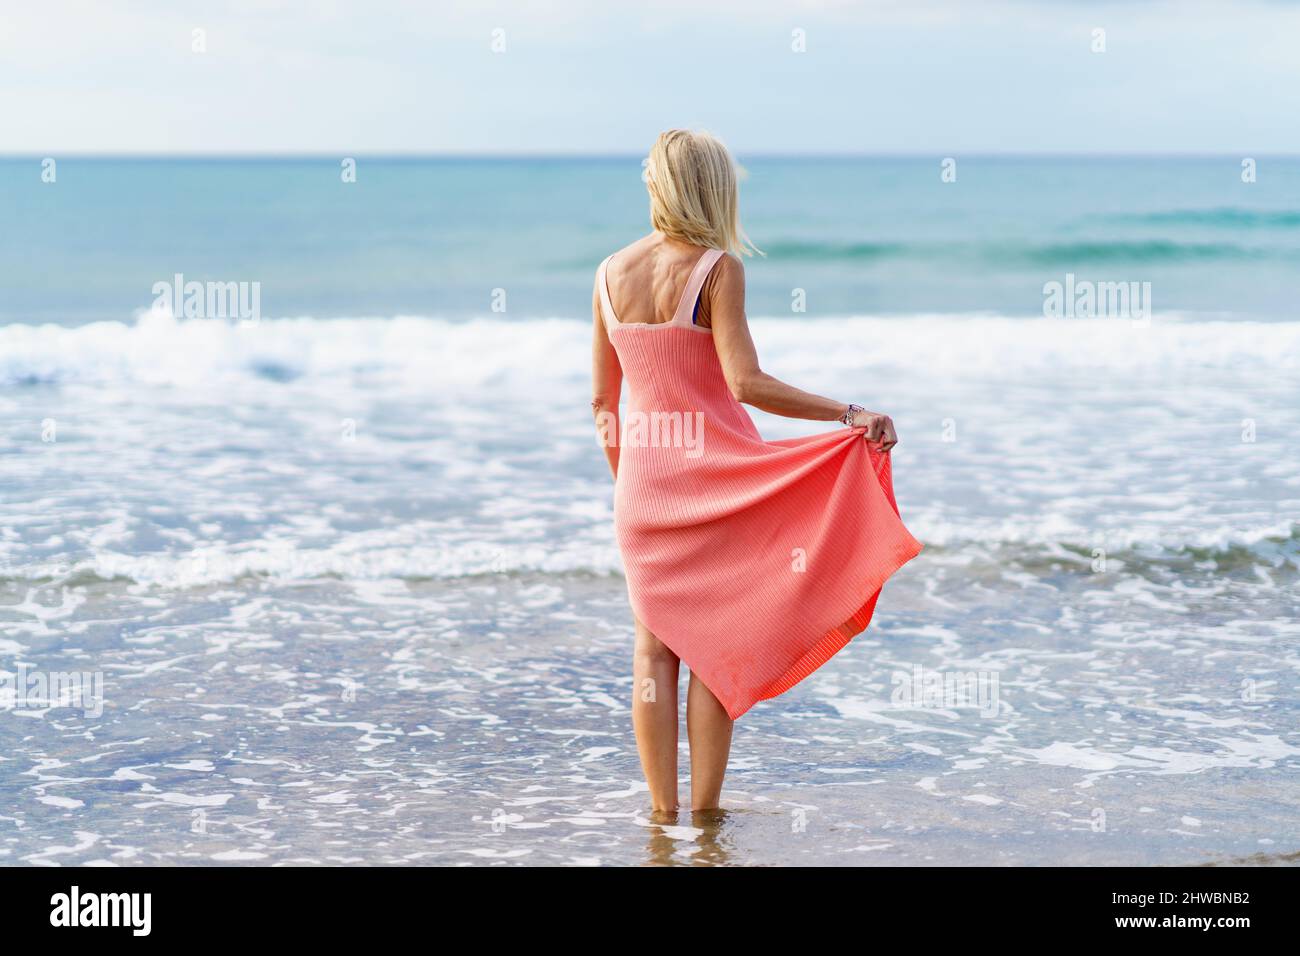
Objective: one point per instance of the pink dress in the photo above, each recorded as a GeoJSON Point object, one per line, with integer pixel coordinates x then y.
{"type": "Point", "coordinates": [753, 560]}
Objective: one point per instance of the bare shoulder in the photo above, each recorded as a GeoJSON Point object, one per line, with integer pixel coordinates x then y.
{"type": "Point", "coordinates": [731, 266]}
{"type": "Point", "coordinates": [728, 276]}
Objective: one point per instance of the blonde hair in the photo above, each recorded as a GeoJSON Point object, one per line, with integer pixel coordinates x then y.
{"type": "Point", "coordinates": [694, 191]}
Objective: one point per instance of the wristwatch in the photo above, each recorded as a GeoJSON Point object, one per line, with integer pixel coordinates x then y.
{"type": "Point", "coordinates": [847, 417]}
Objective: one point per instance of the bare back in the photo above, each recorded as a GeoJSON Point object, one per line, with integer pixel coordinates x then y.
{"type": "Point", "coordinates": [646, 280]}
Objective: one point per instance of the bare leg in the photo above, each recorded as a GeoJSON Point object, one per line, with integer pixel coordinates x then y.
{"type": "Point", "coordinates": [709, 729]}
{"type": "Point", "coordinates": [654, 715]}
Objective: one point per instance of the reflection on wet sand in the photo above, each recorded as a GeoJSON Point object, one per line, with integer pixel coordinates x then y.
{"type": "Point", "coordinates": [707, 841]}
{"type": "Point", "coordinates": [716, 843]}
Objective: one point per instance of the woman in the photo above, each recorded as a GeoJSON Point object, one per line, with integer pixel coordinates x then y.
{"type": "Point", "coordinates": [752, 561]}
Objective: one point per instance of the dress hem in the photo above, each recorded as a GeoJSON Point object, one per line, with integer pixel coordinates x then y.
{"type": "Point", "coordinates": [827, 646]}
{"type": "Point", "coordinates": [830, 644]}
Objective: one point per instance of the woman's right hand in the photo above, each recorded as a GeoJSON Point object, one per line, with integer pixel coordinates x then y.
{"type": "Point", "coordinates": [879, 428]}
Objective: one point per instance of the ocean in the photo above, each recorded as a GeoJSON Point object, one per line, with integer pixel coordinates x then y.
{"type": "Point", "coordinates": [333, 579]}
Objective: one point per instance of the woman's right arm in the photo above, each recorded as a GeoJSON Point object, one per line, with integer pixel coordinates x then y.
{"type": "Point", "coordinates": [606, 385]}
{"type": "Point", "coordinates": [749, 383]}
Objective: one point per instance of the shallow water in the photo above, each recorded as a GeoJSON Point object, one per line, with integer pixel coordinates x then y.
{"type": "Point", "coordinates": [486, 721]}
{"type": "Point", "coordinates": [411, 643]}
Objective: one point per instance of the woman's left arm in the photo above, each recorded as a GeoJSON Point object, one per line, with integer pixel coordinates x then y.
{"type": "Point", "coordinates": [606, 385]}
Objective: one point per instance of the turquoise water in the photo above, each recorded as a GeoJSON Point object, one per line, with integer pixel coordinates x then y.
{"type": "Point", "coordinates": [436, 237]}
{"type": "Point", "coordinates": [348, 575]}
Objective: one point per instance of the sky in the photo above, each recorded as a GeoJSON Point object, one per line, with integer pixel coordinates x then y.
{"type": "Point", "coordinates": [912, 77]}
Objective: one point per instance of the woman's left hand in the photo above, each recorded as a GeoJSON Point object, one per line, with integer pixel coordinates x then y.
{"type": "Point", "coordinates": [880, 428]}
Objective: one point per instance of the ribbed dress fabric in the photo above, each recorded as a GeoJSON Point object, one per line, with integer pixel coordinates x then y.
{"type": "Point", "coordinates": [754, 561]}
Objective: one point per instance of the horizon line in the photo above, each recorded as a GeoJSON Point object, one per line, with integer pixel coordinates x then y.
{"type": "Point", "coordinates": [600, 155]}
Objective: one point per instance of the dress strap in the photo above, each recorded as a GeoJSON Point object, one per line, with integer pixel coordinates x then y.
{"type": "Point", "coordinates": [602, 284]}
{"type": "Point", "coordinates": [686, 307]}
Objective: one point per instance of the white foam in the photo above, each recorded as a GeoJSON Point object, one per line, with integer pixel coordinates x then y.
{"type": "Point", "coordinates": [218, 457]}
{"type": "Point", "coordinates": [446, 355]}
{"type": "Point", "coordinates": [377, 555]}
